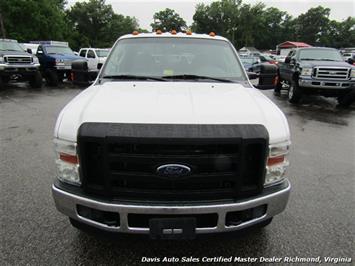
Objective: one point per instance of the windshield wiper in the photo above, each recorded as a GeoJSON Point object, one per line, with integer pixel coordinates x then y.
{"type": "Point", "coordinates": [195, 77]}
{"type": "Point", "coordinates": [308, 59]}
{"type": "Point", "coordinates": [132, 77]}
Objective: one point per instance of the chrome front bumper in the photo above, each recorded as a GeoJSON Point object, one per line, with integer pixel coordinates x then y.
{"type": "Point", "coordinates": [67, 204]}
{"type": "Point", "coordinates": [325, 84]}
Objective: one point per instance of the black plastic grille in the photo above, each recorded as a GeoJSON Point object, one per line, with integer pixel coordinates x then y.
{"type": "Point", "coordinates": [118, 167]}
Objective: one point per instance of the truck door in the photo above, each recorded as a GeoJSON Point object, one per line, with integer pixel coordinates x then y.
{"type": "Point", "coordinates": [289, 65]}
{"type": "Point", "coordinates": [92, 60]}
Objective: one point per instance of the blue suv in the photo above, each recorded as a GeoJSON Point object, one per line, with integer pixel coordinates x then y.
{"type": "Point", "coordinates": [56, 60]}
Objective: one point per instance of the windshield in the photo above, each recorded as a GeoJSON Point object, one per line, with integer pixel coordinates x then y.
{"type": "Point", "coordinates": [320, 54]}
{"type": "Point", "coordinates": [160, 56]}
{"type": "Point", "coordinates": [102, 53]}
{"type": "Point", "coordinates": [10, 46]}
{"type": "Point", "coordinates": [59, 50]}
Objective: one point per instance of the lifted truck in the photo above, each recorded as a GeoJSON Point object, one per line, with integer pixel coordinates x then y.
{"type": "Point", "coordinates": [17, 64]}
{"type": "Point", "coordinates": [56, 59]}
{"type": "Point", "coordinates": [172, 140]}
{"type": "Point", "coordinates": [316, 70]}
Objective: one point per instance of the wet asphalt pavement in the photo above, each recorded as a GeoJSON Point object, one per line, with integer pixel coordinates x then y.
{"type": "Point", "coordinates": [319, 219]}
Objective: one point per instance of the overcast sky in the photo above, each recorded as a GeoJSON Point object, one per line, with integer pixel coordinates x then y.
{"type": "Point", "coordinates": [144, 10]}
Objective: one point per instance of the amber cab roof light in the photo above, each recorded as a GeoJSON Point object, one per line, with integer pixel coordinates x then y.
{"type": "Point", "coordinates": [188, 32]}
{"type": "Point", "coordinates": [173, 32]}
{"type": "Point", "coordinates": [158, 32]}
{"type": "Point", "coordinates": [212, 34]}
{"type": "Point", "coordinates": [135, 33]}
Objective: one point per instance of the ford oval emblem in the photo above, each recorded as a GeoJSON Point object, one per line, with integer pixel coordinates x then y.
{"type": "Point", "coordinates": [172, 171]}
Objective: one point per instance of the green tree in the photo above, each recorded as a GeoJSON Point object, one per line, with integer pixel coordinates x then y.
{"type": "Point", "coordinates": [27, 20]}
{"type": "Point", "coordinates": [95, 24]}
{"type": "Point", "coordinates": [167, 20]}
{"type": "Point", "coordinates": [312, 25]}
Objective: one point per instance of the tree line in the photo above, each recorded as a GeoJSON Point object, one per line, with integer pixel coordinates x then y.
{"type": "Point", "coordinates": [94, 23]}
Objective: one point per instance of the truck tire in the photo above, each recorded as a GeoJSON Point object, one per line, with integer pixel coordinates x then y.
{"type": "Point", "coordinates": [278, 88]}
{"type": "Point", "coordinates": [36, 80]}
{"type": "Point", "coordinates": [344, 101]}
{"type": "Point", "coordinates": [294, 92]}
{"type": "Point", "coordinates": [1, 83]}
{"type": "Point", "coordinates": [52, 78]}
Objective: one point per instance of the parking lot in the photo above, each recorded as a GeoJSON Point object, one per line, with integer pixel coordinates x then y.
{"type": "Point", "coordinates": [318, 221]}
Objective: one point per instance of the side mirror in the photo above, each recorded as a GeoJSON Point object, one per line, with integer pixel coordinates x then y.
{"type": "Point", "coordinates": [268, 77]}
{"type": "Point", "coordinates": [350, 61]}
{"type": "Point", "coordinates": [287, 60]}
{"type": "Point", "coordinates": [99, 66]}
{"type": "Point", "coordinates": [28, 50]}
{"type": "Point", "coordinates": [79, 66]}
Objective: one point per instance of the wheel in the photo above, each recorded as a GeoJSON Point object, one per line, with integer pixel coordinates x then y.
{"type": "Point", "coordinates": [1, 83]}
{"type": "Point", "coordinates": [52, 78]}
{"type": "Point", "coordinates": [294, 92]}
{"type": "Point", "coordinates": [36, 80]}
{"type": "Point", "coordinates": [344, 101]}
{"type": "Point", "coordinates": [278, 88]}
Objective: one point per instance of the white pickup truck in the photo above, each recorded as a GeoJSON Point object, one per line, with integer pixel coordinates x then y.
{"type": "Point", "coordinates": [95, 57]}
{"type": "Point", "coordinates": [172, 140]}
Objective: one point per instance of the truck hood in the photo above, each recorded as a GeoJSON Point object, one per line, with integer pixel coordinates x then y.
{"type": "Point", "coordinates": [172, 103]}
{"type": "Point", "coordinates": [2, 53]}
{"type": "Point", "coordinates": [324, 63]}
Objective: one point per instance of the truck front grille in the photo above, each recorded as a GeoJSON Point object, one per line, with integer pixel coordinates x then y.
{"type": "Point", "coordinates": [125, 167]}
{"type": "Point", "coordinates": [17, 60]}
{"type": "Point", "coordinates": [332, 73]}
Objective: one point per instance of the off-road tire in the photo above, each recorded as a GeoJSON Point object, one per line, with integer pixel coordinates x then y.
{"type": "Point", "coordinates": [52, 78]}
{"type": "Point", "coordinates": [344, 101]}
{"type": "Point", "coordinates": [36, 80]}
{"type": "Point", "coordinates": [294, 92]}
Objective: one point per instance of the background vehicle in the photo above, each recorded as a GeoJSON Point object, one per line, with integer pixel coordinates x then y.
{"type": "Point", "coordinates": [55, 59]}
{"type": "Point", "coordinates": [173, 140]}
{"type": "Point", "coordinates": [253, 63]}
{"type": "Point", "coordinates": [96, 57]}
{"type": "Point", "coordinates": [316, 70]}
{"type": "Point", "coordinates": [17, 64]}
{"type": "Point", "coordinates": [250, 62]}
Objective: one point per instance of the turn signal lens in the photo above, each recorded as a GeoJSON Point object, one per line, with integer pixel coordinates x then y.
{"type": "Point", "coordinates": [173, 32]}
{"type": "Point", "coordinates": [275, 160]}
{"type": "Point", "coordinates": [68, 158]}
{"type": "Point", "coordinates": [189, 33]}
{"type": "Point", "coordinates": [158, 32]}
{"type": "Point", "coordinates": [135, 33]}
{"type": "Point", "coordinates": [212, 34]}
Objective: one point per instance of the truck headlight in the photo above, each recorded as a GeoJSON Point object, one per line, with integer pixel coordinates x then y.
{"type": "Point", "coordinates": [67, 162]}
{"type": "Point", "coordinates": [353, 73]}
{"type": "Point", "coordinates": [276, 163]}
{"type": "Point", "coordinates": [35, 60]}
{"type": "Point", "coordinates": [306, 71]}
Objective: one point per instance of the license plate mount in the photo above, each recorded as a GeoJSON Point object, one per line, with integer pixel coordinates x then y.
{"type": "Point", "coordinates": [172, 228]}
